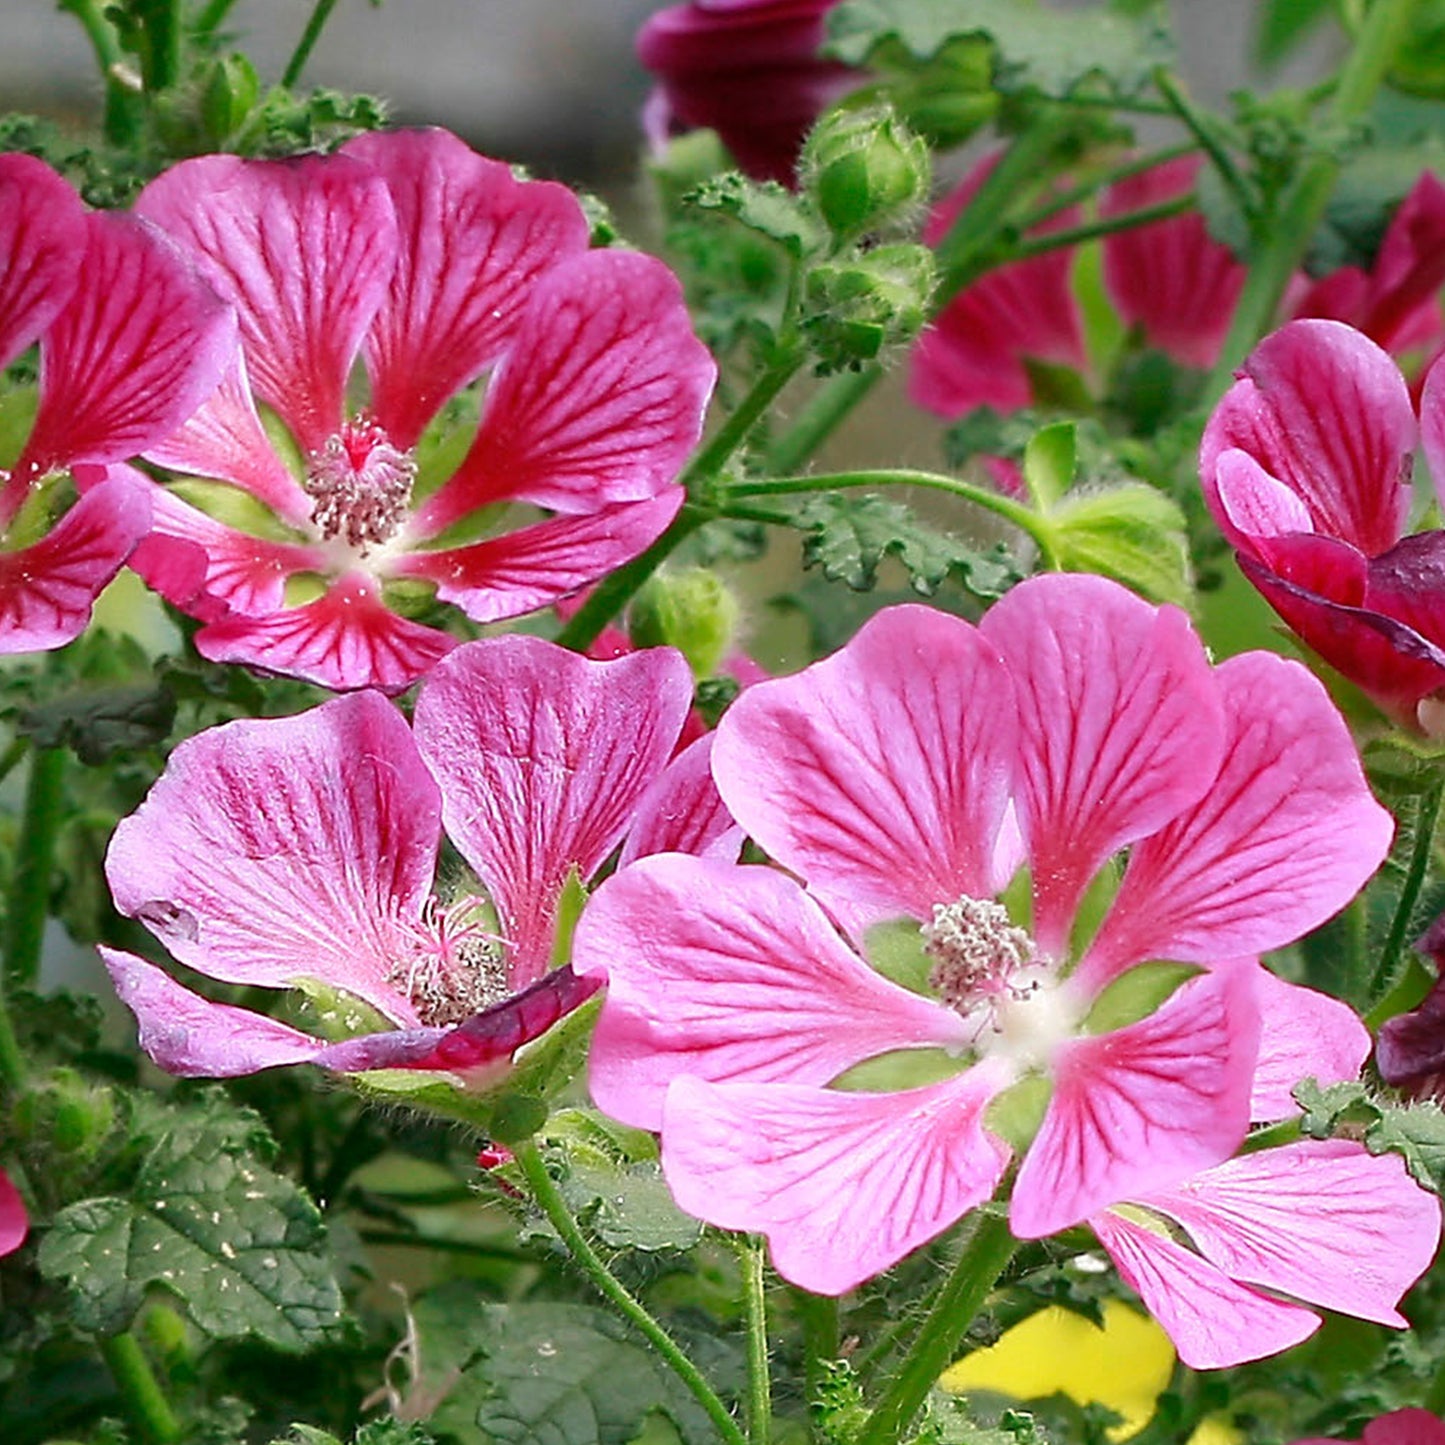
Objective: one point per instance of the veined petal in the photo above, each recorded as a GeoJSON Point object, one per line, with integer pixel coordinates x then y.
{"type": "Point", "coordinates": [1322, 409]}
{"type": "Point", "coordinates": [42, 235]}
{"type": "Point", "coordinates": [14, 1222]}
{"type": "Point", "coordinates": [1284, 838]}
{"type": "Point", "coordinates": [1432, 423]}
{"type": "Point", "coordinates": [291, 849]}
{"type": "Point", "coordinates": [47, 590]}
{"type": "Point", "coordinates": [542, 757]}
{"type": "Point", "coordinates": [1303, 1034]}
{"type": "Point", "coordinates": [599, 398]}
{"type": "Point", "coordinates": [1251, 504]}
{"type": "Point", "coordinates": [731, 974]}
{"type": "Point", "coordinates": [682, 811]}
{"type": "Point", "coordinates": [347, 638]}
{"type": "Point", "coordinates": [521, 571]}
{"type": "Point", "coordinates": [1143, 1107]}
{"type": "Point", "coordinates": [843, 1185]}
{"type": "Point", "coordinates": [1213, 1321]}
{"type": "Point", "coordinates": [472, 243]}
{"type": "Point", "coordinates": [1121, 728]}
{"type": "Point", "coordinates": [881, 774]}
{"type": "Point", "coordinates": [1322, 1220]}
{"type": "Point", "coordinates": [303, 248]}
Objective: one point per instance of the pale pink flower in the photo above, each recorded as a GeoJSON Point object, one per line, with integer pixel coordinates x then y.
{"type": "Point", "coordinates": [301, 853]}
{"type": "Point", "coordinates": [903, 782]}
{"type": "Point", "coordinates": [1399, 1427]}
{"type": "Point", "coordinates": [437, 267]}
{"type": "Point", "coordinates": [14, 1222]}
{"type": "Point", "coordinates": [131, 340]}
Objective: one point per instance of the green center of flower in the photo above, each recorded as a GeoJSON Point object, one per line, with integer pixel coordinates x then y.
{"type": "Point", "coordinates": [361, 485]}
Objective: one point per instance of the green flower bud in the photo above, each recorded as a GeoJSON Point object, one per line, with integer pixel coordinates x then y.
{"type": "Point", "coordinates": [692, 610]}
{"type": "Point", "coordinates": [229, 92]}
{"type": "Point", "coordinates": [865, 170]}
{"type": "Point", "coordinates": [856, 307]}
{"type": "Point", "coordinates": [67, 1114]}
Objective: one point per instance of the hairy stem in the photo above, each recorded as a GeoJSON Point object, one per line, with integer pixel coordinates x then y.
{"type": "Point", "coordinates": [1427, 817]}
{"type": "Point", "coordinates": [760, 1394]}
{"type": "Point", "coordinates": [145, 1402]}
{"type": "Point", "coordinates": [27, 904]}
{"type": "Point", "coordinates": [1104, 226]}
{"type": "Point", "coordinates": [124, 106]}
{"type": "Point", "coordinates": [320, 14]}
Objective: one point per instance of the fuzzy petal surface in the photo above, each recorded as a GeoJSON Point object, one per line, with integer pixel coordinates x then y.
{"type": "Point", "coordinates": [543, 757]}
{"type": "Point", "coordinates": [731, 973]}
{"type": "Point", "coordinates": [42, 236]}
{"type": "Point", "coordinates": [302, 848]}
{"type": "Point", "coordinates": [843, 1185]}
{"type": "Point", "coordinates": [682, 811]}
{"type": "Point", "coordinates": [1303, 1033]}
{"type": "Point", "coordinates": [881, 774]}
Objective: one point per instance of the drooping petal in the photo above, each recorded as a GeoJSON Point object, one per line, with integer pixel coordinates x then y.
{"type": "Point", "coordinates": [1252, 504]}
{"type": "Point", "coordinates": [47, 589]}
{"type": "Point", "coordinates": [843, 1185]}
{"type": "Point", "coordinates": [42, 237]}
{"type": "Point", "coordinates": [881, 774]}
{"type": "Point", "coordinates": [1322, 1220]}
{"type": "Point", "coordinates": [347, 638]}
{"type": "Point", "coordinates": [196, 1038]}
{"type": "Point", "coordinates": [304, 249]}
{"type": "Point", "coordinates": [599, 398]}
{"type": "Point", "coordinates": [1322, 409]}
{"type": "Point", "coordinates": [1407, 583]}
{"type": "Point", "coordinates": [1213, 1321]}
{"type": "Point", "coordinates": [521, 571]}
{"type": "Point", "coordinates": [1143, 1107]}
{"type": "Point", "coordinates": [14, 1222]}
{"type": "Point", "coordinates": [1121, 728]}
{"type": "Point", "coordinates": [731, 974]}
{"type": "Point", "coordinates": [1303, 1034]}
{"type": "Point", "coordinates": [543, 756]}
{"type": "Point", "coordinates": [291, 849]}
{"type": "Point", "coordinates": [472, 243]}
{"type": "Point", "coordinates": [1284, 838]}
{"type": "Point", "coordinates": [682, 811]}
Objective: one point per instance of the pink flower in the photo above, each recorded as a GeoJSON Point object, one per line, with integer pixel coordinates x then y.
{"type": "Point", "coordinates": [1306, 466]}
{"type": "Point", "coordinates": [130, 342]}
{"type": "Point", "coordinates": [748, 69]}
{"type": "Point", "coordinates": [14, 1222]}
{"type": "Point", "coordinates": [1399, 1427]}
{"type": "Point", "coordinates": [300, 853]}
{"type": "Point", "coordinates": [437, 266]}
{"type": "Point", "coordinates": [1410, 1050]}
{"type": "Point", "coordinates": [904, 781]}
{"type": "Point", "coordinates": [1316, 1222]}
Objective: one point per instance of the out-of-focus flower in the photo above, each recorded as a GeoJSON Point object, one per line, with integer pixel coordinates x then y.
{"type": "Point", "coordinates": [14, 1223]}
{"type": "Point", "coordinates": [300, 853]}
{"type": "Point", "coordinates": [1306, 466]}
{"type": "Point", "coordinates": [748, 69]}
{"type": "Point", "coordinates": [901, 784]}
{"type": "Point", "coordinates": [1410, 1048]}
{"type": "Point", "coordinates": [320, 525]}
{"type": "Point", "coordinates": [131, 340]}
{"type": "Point", "coordinates": [1399, 1427]}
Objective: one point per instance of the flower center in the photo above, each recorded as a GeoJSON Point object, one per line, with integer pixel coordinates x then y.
{"type": "Point", "coordinates": [361, 485]}
{"type": "Point", "coordinates": [458, 968]}
{"type": "Point", "coordinates": [979, 956]}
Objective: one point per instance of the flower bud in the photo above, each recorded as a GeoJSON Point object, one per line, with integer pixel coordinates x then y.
{"type": "Point", "coordinates": [67, 1114]}
{"type": "Point", "coordinates": [692, 610]}
{"type": "Point", "coordinates": [856, 307]}
{"type": "Point", "coordinates": [229, 92]}
{"type": "Point", "coordinates": [865, 170]}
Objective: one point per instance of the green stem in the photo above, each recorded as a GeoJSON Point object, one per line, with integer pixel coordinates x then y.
{"type": "Point", "coordinates": [819, 1318]}
{"type": "Point", "coordinates": [1427, 817]}
{"type": "Point", "coordinates": [712, 456]}
{"type": "Point", "coordinates": [1104, 226]}
{"type": "Point", "coordinates": [820, 417]}
{"type": "Point", "coordinates": [209, 20]}
{"type": "Point", "coordinates": [27, 904]}
{"type": "Point", "coordinates": [1082, 192]}
{"type": "Point", "coordinates": [124, 106]}
{"type": "Point", "coordinates": [1198, 126]}
{"type": "Point", "coordinates": [755, 1304]}
{"type": "Point", "coordinates": [320, 14]}
{"type": "Point", "coordinates": [161, 65]}
{"type": "Point", "coordinates": [13, 756]}
{"type": "Point", "coordinates": [988, 1247]}
{"type": "Point", "coordinates": [145, 1402]}
{"type": "Point", "coordinates": [547, 1195]}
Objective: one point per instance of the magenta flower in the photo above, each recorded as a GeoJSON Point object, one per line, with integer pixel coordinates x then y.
{"type": "Point", "coordinates": [748, 69]}
{"type": "Point", "coordinates": [130, 342]}
{"type": "Point", "coordinates": [14, 1222]}
{"type": "Point", "coordinates": [904, 781]}
{"type": "Point", "coordinates": [438, 267]}
{"type": "Point", "coordinates": [1316, 1222]}
{"type": "Point", "coordinates": [1410, 1050]}
{"type": "Point", "coordinates": [1306, 466]}
{"type": "Point", "coordinates": [1399, 1427]}
{"type": "Point", "coordinates": [301, 853]}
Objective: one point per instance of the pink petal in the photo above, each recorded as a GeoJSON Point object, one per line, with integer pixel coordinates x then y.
{"type": "Point", "coordinates": [1432, 423]}
{"type": "Point", "coordinates": [1143, 1107]}
{"type": "Point", "coordinates": [1410, 1052]}
{"type": "Point", "coordinates": [472, 242]}
{"type": "Point", "coordinates": [880, 775]}
{"type": "Point", "coordinates": [542, 756]}
{"type": "Point", "coordinates": [523, 570]}
{"type": "Point", "coordinates": [1121, 728]}
{"type": "Point", "coordinates": [196, 1038]}
{"type": "Point", "coordinates": [273, 852]}
{"type": "Point", "coordinates": [1285, 837]}
{"type": "Point", "coordinates": [347, 638]}
{"type": "Point", "coordinates": [1322, 1220]}
{"type": "Point", "coordinates": [1170, 278]}
{"type": "Point", "coordinates": [1212, 1321]}
{"type": "Point", "coordinates": [1404, 1427]}
{"type": "Point", "coordinates": [139, 346]}
{"type": "Point", "coordinates": [682, 812]}
{"type": "Point", "coordinates": [42, 234]}
{"type": "Point", "coordinates": [1303, 1034]}
{"type": "Point", "coordinates": [843, 1185]}
{"type": "Point", "coordinates": [47, 590]}
{"type": "Point", "coordinates": [599, 399]}
{"type": "Point", "coordinates": [14, 1222]}
{"type": "Point", "coordinates": [1325, 411]}
{"type": "Point", "coordinates": [1251, 504]}
{"type": "Point", "coordinates": [304, 249]}
{"type": "Point", "coordinates": [731, 974]}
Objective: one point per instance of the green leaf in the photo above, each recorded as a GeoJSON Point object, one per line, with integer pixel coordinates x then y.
{"type": "Point", "coordinates": [1050, 460]}
{"type": "Point", "coordinates": [1283, 24]}
{"type": "Point", "coordinates": [97, 722]}
{"type": "Point", "coordinates": [1417, 1134]}
{"type": "Point", "coordinates": [1053, 52]}
{"type": "Point", "coordinates": [242, 1247]}
{"type": "Point", "coordinates": [1132, 533]}
{"type": "Point", "coordinates": [1366, 195]}
{"type": "Point", "coordinates": [764, 207]}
